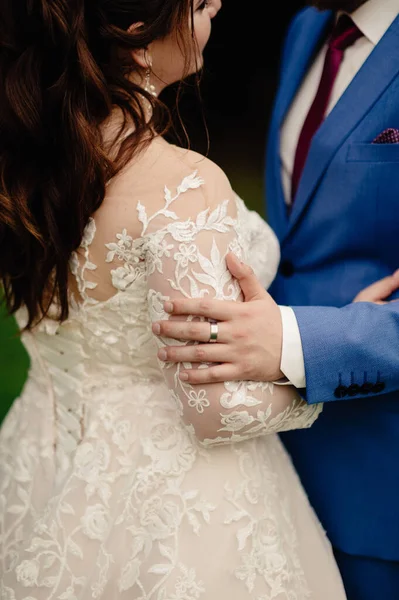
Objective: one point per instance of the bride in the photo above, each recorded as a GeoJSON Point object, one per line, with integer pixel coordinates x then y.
{"type": "Point", "coordinates": [118, 479]}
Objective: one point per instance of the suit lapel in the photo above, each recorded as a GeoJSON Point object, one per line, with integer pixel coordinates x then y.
{"type": "Point", "coordinates": [380, 68]}
{"type": "Point", "coordinates": [304, 48]}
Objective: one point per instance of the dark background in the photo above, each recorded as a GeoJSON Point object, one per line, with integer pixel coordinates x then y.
{"type": "Point", "coordinates": [239, 84]}
{"type": "Point", "coordinates": [238, 88]}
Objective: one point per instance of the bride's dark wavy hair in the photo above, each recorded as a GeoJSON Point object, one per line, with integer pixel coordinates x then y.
{"type": "Point", "coordinates": [64, 67]}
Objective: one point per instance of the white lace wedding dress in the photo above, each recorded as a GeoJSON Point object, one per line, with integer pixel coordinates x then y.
{"type": "Point", "coordinates": [118, 480]}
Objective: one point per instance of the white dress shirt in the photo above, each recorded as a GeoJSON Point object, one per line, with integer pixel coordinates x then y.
{"type": "Point", "coordinates": [373, 19]}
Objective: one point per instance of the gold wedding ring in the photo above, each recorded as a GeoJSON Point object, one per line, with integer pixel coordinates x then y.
{"type": "Point", "coordinates": [214, 333]}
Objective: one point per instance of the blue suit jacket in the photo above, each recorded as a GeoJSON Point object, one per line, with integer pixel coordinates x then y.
{"type": "Point", "coordinates": [342, 235]}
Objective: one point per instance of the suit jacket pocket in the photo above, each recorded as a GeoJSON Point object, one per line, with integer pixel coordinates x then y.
{"type": "Point", "coordinates": [376, 153]}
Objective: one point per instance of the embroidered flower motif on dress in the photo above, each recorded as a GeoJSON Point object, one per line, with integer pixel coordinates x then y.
{"type": "Point", "coordinates": [135, 502]}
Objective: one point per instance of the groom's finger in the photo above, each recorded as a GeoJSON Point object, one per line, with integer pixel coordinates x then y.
{"type": "Point", "coordinates": [219, 310]}
{"type": "Point", "coordinates": [217, 374]}
{"type": "Point", "coordinates": [189, 330]}
{"type": "Point", "coordinates": [378, 291]}
{"type": "Point", "coordinates": [250, 286]}
{"type": "Point", "coordinates": [201, 353]}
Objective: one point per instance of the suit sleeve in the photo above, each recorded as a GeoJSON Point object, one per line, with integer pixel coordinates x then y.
{"type": "Point", "coordinates": [349, 352]}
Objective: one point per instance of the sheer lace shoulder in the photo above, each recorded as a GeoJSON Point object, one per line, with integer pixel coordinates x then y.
{"type": "Point", "coordinates": [117, 225]}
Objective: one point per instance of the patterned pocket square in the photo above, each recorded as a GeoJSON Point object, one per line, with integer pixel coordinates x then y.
{"type": "Point", "coordinates": [388, 136]}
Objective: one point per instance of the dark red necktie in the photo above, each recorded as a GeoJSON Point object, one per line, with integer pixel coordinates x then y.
{"type": "Point", "coordinates": [344, 34]}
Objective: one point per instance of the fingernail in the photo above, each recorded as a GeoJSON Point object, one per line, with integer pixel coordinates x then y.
{"type": "Point", "coordinates": [162, 355]}
{"type": "Point", "coordinates": [168, 307]}
{"type": "Point", "coordinates": [183, 376]}
{"type": "Point", "coordinates": [156, 328]}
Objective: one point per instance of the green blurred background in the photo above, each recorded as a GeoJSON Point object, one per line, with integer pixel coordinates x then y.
{"type": "Point", "coordinates": [14, 362]}
{"type": "Point", "coordinates": [238, 88]}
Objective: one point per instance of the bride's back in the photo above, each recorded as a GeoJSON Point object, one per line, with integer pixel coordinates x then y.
{"type": "Point", "coordinates": [149, 214]}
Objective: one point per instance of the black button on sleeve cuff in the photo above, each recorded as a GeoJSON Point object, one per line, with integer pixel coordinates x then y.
{"type": "Point", "coordinates": [341, 391]}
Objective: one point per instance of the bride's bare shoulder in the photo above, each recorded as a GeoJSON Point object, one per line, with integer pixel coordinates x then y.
{"type": "Point", "coordinates": [163, 164]}
{"type": "Point", "coordinates": [159, 172]}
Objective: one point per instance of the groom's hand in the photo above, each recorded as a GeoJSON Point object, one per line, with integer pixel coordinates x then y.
{"type": "Point", "coordinates": [379, 291]}
{"type": "Point", "coordinates": [249, 339]}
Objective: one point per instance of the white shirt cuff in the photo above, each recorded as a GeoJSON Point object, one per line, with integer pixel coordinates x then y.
{"type": "Point", "coordinates": [292, 362]}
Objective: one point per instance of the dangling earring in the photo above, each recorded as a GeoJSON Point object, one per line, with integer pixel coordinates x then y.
{"type": "Point", "coordinates": [149, 87]}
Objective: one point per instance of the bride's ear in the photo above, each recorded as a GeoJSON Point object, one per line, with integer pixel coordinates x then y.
{"type": "Point", "coordinates": [141, 56]}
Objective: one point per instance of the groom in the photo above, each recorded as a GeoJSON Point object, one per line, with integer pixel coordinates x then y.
{"type": "Point", "coordinates": [333, 199]}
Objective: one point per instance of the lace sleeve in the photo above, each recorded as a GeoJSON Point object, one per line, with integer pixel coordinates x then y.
{"type": "Point", "coordinates": [186, 243]}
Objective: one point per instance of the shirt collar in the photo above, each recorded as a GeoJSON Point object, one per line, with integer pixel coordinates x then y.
{"type": "Point", "coordinates": [374, 18]}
